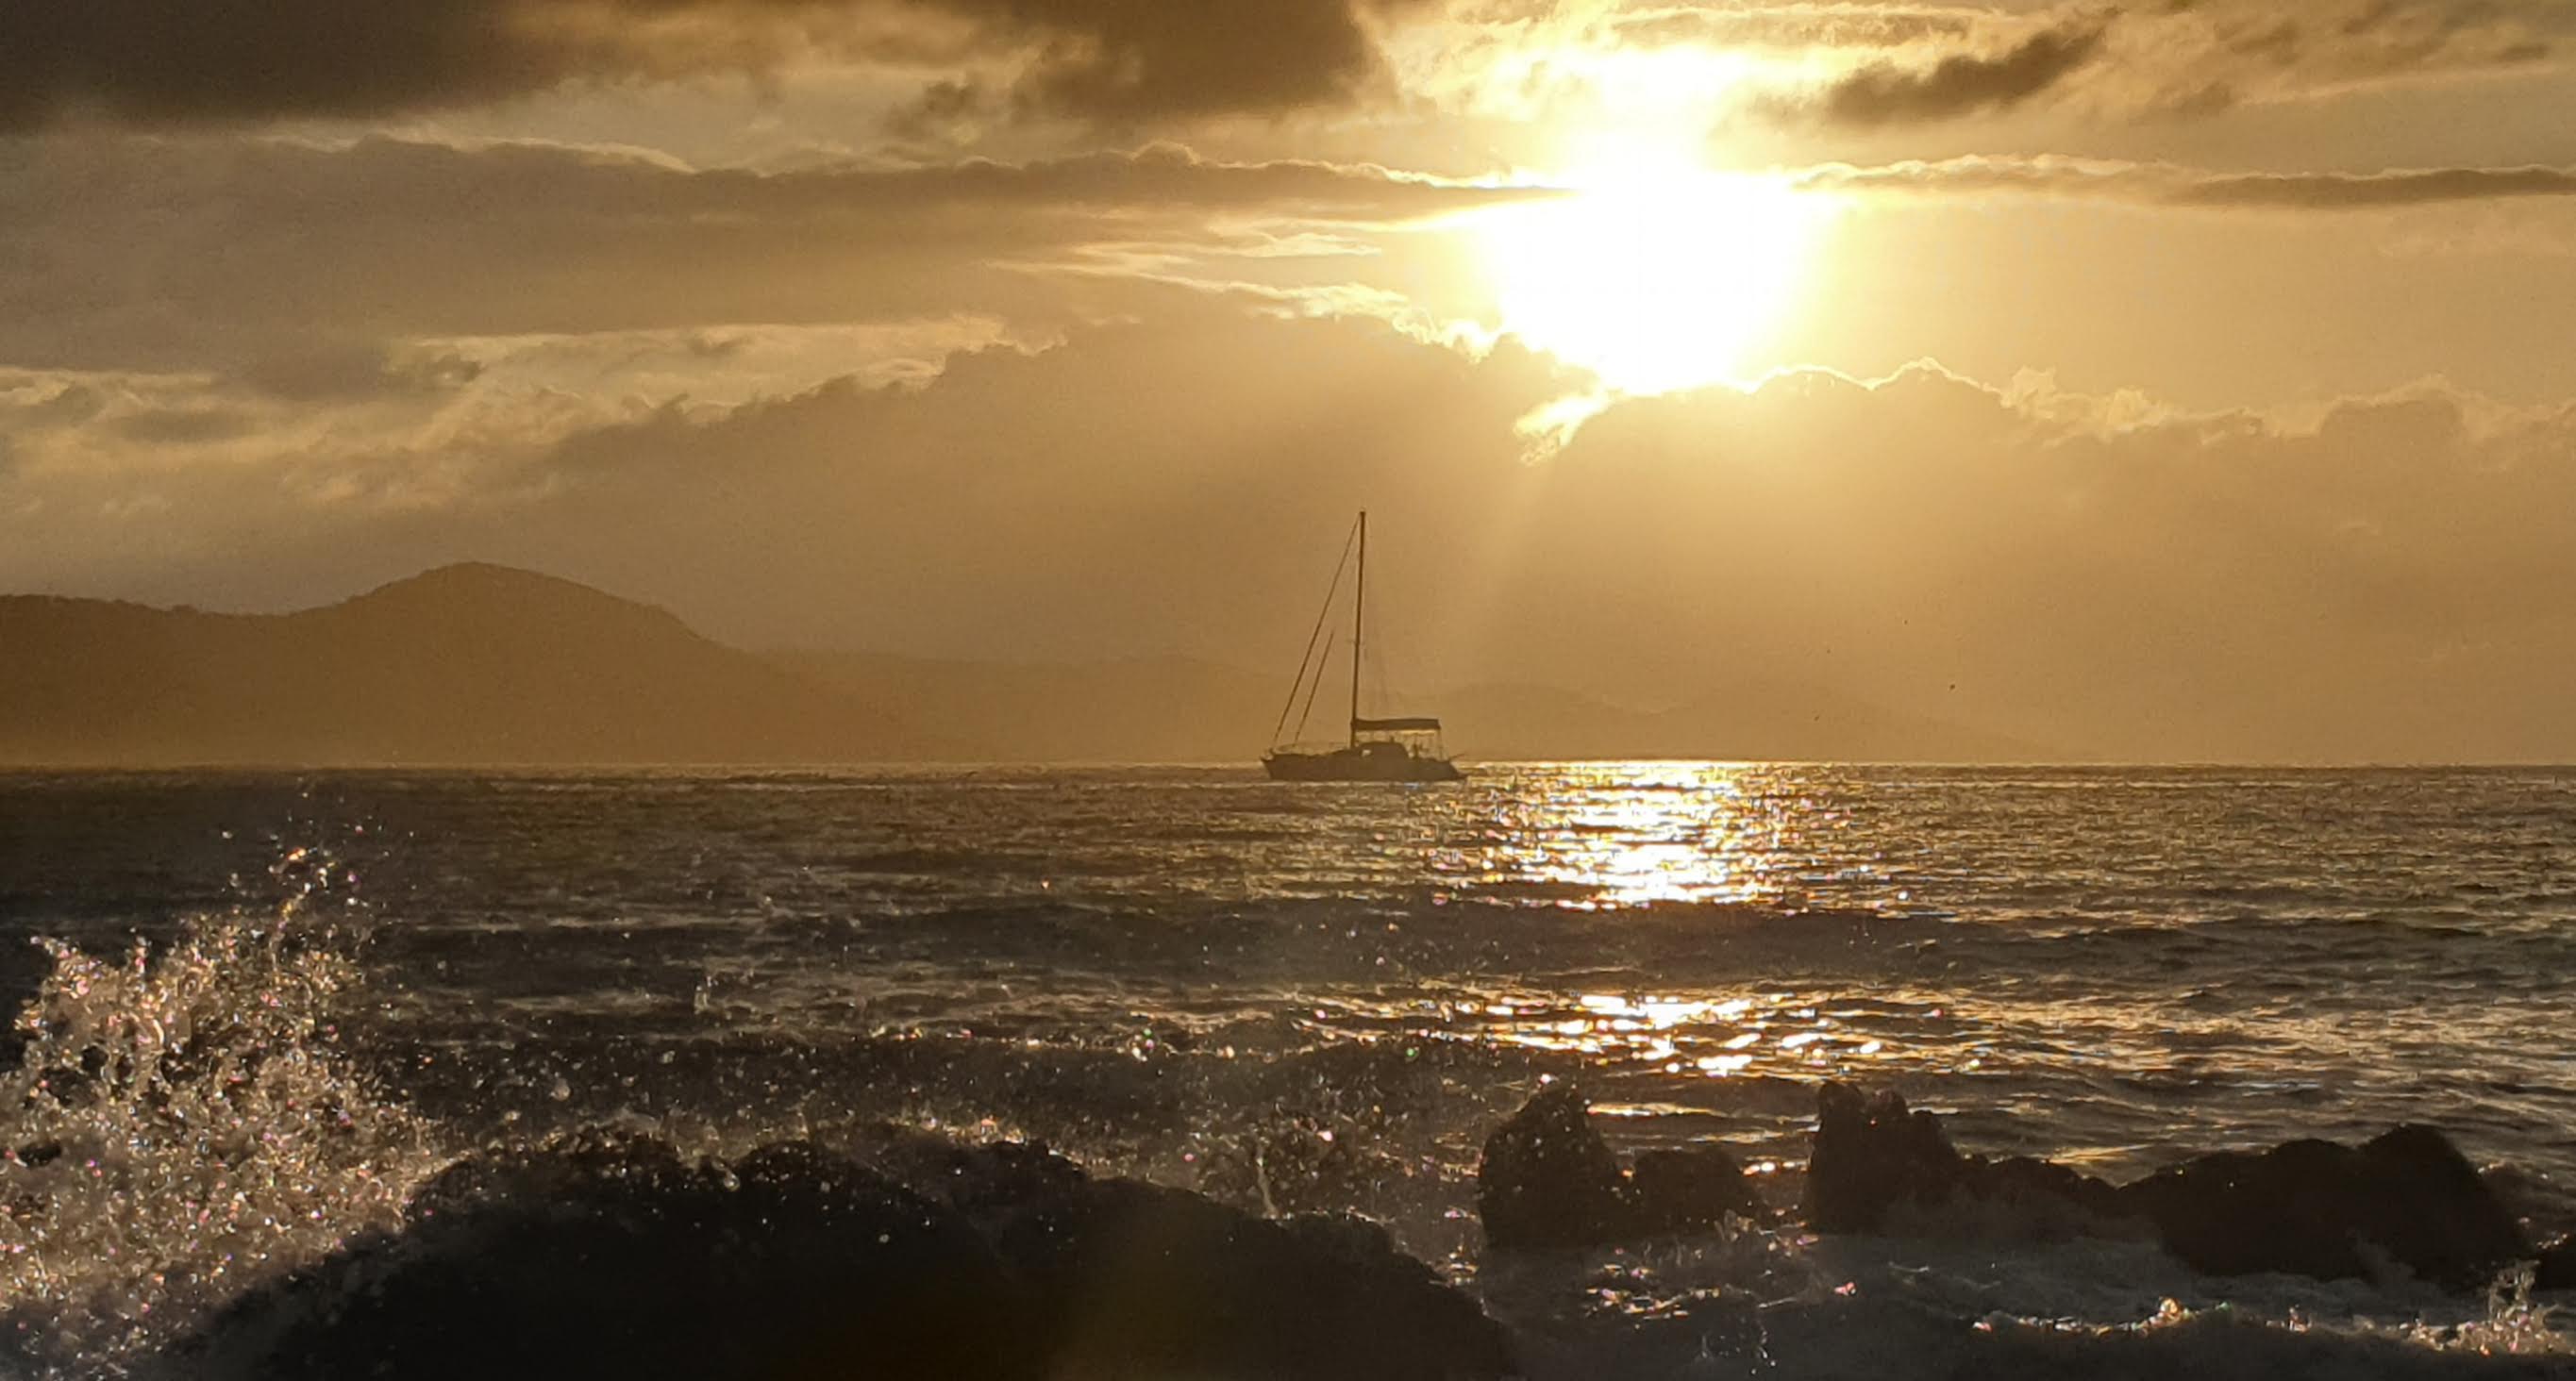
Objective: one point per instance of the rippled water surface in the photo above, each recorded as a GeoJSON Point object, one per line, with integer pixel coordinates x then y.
{"type": "Point", "coordinates": [1185, 972]}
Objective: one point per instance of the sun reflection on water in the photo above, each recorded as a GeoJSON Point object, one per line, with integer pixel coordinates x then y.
{"type": "Point", "coordinates": [1780, 1034]}
{"type": "Point", "coordinates": [1652, 833]}
{"type": "Point", "coordinates": [1751, 843]}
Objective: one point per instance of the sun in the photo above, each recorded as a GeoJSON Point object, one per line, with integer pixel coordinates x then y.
{"type": "Point", "coordinates": [1654, 272]}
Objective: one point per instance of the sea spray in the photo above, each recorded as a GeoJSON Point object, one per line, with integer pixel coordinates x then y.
{"type": "Point", "coordinates": [183, 1123]}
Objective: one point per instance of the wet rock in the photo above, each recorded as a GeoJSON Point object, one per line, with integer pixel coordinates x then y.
{"type": "Point", "coordinates": [1691, 1190]}
{"type": "Point", "coordinates": [1547, 1179]}
{"type": "Point", "coordinates": [2557, 1266]}
{"type": "Point", "coordinates": [1142, 1280]}
{"type": "Point", "coordinates": [2407, 1198]}
{"type": "Point", "coordinates": [585, 1265]}
{"type": "Point", "coordinates": [2317, 1208]}
{"type": "Point", "coordinates": [1878, 1166]}
{"type": "Point", "coordinates": [608, 1257]}
{"type": "Point", "coordinates": [1872, 1154]}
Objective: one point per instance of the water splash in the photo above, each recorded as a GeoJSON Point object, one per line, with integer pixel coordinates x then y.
{"type": "Point", "coordinates": [183, 1122]}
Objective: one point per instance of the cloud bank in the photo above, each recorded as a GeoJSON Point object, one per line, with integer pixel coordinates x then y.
{"type": "Point", "coordinates": [169, 63]}
{"type": "Point", "coordinates": [2166, 184]}
{"type": "Point", "coordinates": [2379, 577]}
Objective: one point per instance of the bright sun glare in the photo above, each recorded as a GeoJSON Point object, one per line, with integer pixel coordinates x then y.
{"type": "Point", "coordinates": [1655, 273]}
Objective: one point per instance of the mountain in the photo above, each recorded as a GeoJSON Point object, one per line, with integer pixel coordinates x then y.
{"type": "Point", "coordinates": [479, 664]}
{"type": "Point", "coordinates": [464, 664]}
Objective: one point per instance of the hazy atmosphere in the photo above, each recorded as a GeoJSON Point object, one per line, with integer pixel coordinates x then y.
{"type": "Point", "coordinates": [2174, 381]}
{"type": "Point", "coordinates": [1287, 690]}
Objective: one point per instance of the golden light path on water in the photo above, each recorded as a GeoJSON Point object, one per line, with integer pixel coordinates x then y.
{"type": "Point", "coordinates": [1665, 838]}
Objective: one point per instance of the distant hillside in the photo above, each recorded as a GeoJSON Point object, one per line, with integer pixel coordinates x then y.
{"type": "Point", "coordinates": [477, 664]}
{"type": "Point", "coordinates": [464, 664]}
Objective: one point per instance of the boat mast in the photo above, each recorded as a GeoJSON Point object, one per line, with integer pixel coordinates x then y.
{"type": "Point", "coordinates": [1359, 610]}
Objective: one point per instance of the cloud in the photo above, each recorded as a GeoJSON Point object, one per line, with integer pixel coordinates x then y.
{"type": "Point", "coordinates": [344, 370]}
{"type": "Point", "coordinates": [2167, 184]}
{"type": "Point", "coordinates": [217, 252]}
{"type": "Point", "coordinates": [1794, 26]}
{"type": "Point", "coordinates": [2181, 59]}
{"type": "Point", "coordinates": [2377, 576]}
{"type": "Point", "coordinates": [1885, 93]}
{"type": "Point", "coordinates": [181, 62]}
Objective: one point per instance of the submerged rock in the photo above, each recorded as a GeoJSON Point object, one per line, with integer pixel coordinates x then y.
{"type": "Point", "coordinates": [619, 1259]}
{"type": "Point", "coordinates": [1547, 1179]}
{"type": "Point", "coordinates": [2307, 1207]}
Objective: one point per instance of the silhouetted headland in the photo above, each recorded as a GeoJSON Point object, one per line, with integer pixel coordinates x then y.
{"type": "Point", "coordinates": [479, 664]}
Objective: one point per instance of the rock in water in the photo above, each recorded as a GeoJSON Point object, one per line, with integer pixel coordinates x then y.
{"type": "Point", "coordinates": [1879, 1167]}
{"type": "Point", "coordinates": [2557, 1266]}
{"type": "Point", "coordinates": [2306, 1207]}
{"type": "Point", "coordinates": [2317, 1208]}
{"type": "Point", "coordinates": [592, 1263]}
{"type": "Point", "coordinates": [1548, 1180]}
{"type": "Point", "coordinates": [796, 1263]}
{"type": "Point", "coordinates": [1145, 1281]}
{"type": "Point", "coordinates": [1691, 1190]}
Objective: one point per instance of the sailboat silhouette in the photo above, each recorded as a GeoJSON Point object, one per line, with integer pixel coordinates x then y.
{"type": "Point", "coordinates": [1379, 750]}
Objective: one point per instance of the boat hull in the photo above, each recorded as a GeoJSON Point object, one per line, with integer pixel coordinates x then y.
{"type": "Point", "coordinates": [1359, 765]}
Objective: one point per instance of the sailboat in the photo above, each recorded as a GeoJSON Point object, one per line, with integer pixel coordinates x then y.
{"type": "Point", "coordinates": [1379, 750]}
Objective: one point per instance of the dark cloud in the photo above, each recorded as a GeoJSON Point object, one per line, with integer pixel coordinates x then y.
{"type": "Point", "coordinates": [2340, 191]}
{"type": "Point", "coordinates": [177, 62]}
{"type": "Point", "coordinates": [333, 371]}
{"type": "Point", "coordinates": [219, 252]}
{"type": "Point", "coordinates": [2168, 185]}
{"type": "Point", "coordinates": [1131, 61]}
{"type": "Point", "coordinates": [1885, 93]}
{"type": "Point", "coordinates": [2176, 60]}
{"type": "Point", "coordinates": [191, 425]}
{"type": "Point", "coordinates": [2212, 55]}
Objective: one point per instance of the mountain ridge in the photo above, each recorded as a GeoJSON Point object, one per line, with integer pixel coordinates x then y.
{"type": "Point", "coordinates": [476, 663]}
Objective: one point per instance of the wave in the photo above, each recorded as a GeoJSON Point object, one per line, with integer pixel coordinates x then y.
{"type": "Point", "coordinates": [182, 1121]}
{"type": "Point", "coordinates": [218, 1158]}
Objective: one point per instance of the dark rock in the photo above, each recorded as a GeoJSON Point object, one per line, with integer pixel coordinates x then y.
{"type": "Point", "coordinates": [1692, 1190]}
{"type": "Point", "coordinates": [2306, 1207]}
{"type": "Point", "coordinates": [2557, 1266]}
{"type": "Point", "coordinates": [602, 1257]}
{"type": "Point", "coordinates": [1879, 1167]}
{"type": "Point", "coordinates": [2317, 1208]}
{"type": "Point", "coordinates": [1141, 1280]}
{"type": "Point", "coordinates": [1548, 1180]}
{"type": "Point", "coordinates": [1870, 1155]}
{"type": "Point", "coordinates": [583, 1265]}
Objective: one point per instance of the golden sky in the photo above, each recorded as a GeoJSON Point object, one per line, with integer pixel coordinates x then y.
{"type": "Point", "coordinates": [2203, 358]}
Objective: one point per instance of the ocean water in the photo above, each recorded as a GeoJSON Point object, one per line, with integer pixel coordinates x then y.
{"type": "Point", "coordinates": [1302, 998]}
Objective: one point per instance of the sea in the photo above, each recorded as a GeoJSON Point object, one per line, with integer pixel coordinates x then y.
{"type": "Point", "coordinates": [1302, 998]}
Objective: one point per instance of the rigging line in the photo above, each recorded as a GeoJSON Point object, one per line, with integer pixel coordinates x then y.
{"type": "Point", "coordinates": [1316, 685]}
{"type": "Point", "coordinates": [1320, 617]}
